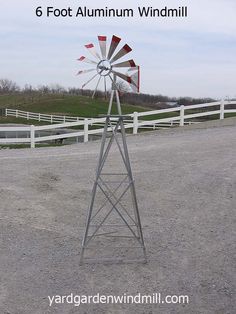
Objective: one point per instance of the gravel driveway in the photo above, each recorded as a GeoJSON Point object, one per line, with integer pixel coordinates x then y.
{"type": "Point", "coordinates": [186, 183]}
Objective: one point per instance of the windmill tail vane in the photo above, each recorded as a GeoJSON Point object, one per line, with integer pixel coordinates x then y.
{"type": "Point", "coordinates": [105, 65]}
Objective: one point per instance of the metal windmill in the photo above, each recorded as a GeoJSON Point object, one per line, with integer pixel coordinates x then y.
{"type": "Point", "coordinates": [113, 185]}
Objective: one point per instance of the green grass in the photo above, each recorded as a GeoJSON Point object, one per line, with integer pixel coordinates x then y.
{"type": "Point", "coordinates": [66, 105]}
{"type": "Point", "coordinates": [79, 106]}
{"type": "Point", "coordinates": [13, 120]}
{"type": "Point", "coordinates": [230, 115]}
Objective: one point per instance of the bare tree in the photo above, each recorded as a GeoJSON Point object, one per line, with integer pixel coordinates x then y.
{"type": "Point", "coordinates": [57, 89]}
{"type": "Point", "coordinates": [8, 86]}
{"type": "Point", "coordinates": [28, 89]}
{"type": "Point", "coordinates": [44, 89]}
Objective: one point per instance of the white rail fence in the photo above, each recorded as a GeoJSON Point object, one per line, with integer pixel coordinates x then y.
{"type": "Point", "coordinates": [41, 116]}
{"type": "Point", "coordinates": [134, 121]}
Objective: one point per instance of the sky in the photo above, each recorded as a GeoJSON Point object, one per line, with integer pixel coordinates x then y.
{"type": "Point", "coordinates": [192, 56]}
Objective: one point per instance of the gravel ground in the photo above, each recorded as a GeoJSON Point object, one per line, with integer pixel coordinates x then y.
{"type": "Point", "coordinates": [185, 181]}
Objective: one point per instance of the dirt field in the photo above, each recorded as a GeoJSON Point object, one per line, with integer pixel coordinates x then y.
{"type": "Point", "coordinates": [185, 181]}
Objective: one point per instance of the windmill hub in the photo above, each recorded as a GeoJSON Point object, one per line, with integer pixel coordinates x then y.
{"type": "Point", "coordinates": [104, 67]}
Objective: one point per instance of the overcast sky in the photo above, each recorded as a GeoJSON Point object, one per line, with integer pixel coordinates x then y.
{"type": "Point", "coordinates": [178, 57]}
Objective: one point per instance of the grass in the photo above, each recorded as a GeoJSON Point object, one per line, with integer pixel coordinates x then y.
{"type": "Point", "coordinates": [230, 115]}
{"type": "Point", "coordinates": [13, 120]}
{"type": "Point", "coordinates": [66, 105]}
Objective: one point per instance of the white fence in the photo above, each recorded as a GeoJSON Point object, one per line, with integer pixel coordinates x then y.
{"type": "Point", "coordinates": [135, 122]}
{"type": "Point", "coordinates": [41, 116]}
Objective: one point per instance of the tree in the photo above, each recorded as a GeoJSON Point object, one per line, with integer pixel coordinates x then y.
{"type": "Point", "coordinates": [44, 89]}
{"type": "Point", "coordinates": [8, 86]}
{"type": "Point", "coordinates": [28, 89]}
{"type": "Point", "coordinates": [57, 89]}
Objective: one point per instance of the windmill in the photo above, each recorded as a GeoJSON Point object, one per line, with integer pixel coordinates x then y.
{"type": "Point", "coordinates": [113, 185]}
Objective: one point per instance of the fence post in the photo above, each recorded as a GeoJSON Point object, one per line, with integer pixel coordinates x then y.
{"type": "Point", "coordinates": [86, 124]}
{"type": "Point", "coordinates": [135, 123]}
{"type": "Point", "coordinates": [32, 136]}
{"type": "Point", "coordinates": [16, 113]}
{"type": "Point", "coordinates": [222, 109]}
{"type": "Point", "coordinates": [39, 116]}
{"type": "Point", "coordinates": [51, 118]}
{"type": "Point", "coordinates": [181, 121]}
{"type": "Point", "coordinates": [6, 112]}
{"type": "Point", "coordinates": [27, 115]}
{"type": "Point", "coordinates": [64, 119]}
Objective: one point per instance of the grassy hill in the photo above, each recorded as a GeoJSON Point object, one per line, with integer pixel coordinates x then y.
{"type": "Point", "coordinates": [80, 106]}
{"type": "Point", "coordinates": [62, 104]}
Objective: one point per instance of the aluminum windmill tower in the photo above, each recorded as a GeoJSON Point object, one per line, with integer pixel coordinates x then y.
{"type": "Point", "coordinates": [108, 218]}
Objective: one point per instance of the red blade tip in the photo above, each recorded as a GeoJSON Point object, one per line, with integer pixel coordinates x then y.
{"type": "Point", "coordinates": [89, 46]}
{"type": "Point", "coordinates": [127, 48]}
{"type": "Point", "coordinates": [132, 63]}
{"type": "Point", "coordinates": [116, 39]}
{"type": "Point", "coordinates": [102, 38]}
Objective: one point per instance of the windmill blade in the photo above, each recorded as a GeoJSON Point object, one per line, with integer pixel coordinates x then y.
{"type": "Point", "coordinates": [103, 45]}
{"type": "Point", "coordinates": [89, 80]}
{"type": "Point", "coordinates": [122, 76]}
{"type": "Point", "coordinates": [96, 87]}
{"type": "Point", "coordinates": [125, 64]}
{"type": "Point", "coordinates": [123, 51]}
{"type": "Point", "coordinates": [105, 87]}
{"type": "Point", "coordinates": [84, 59]}
{"type": "Point", "coordinates": [93, 51]}
{"type": "Point", "coordinates": [114, 43]}
{"type": "Point", "coordinates": [85, 71]}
